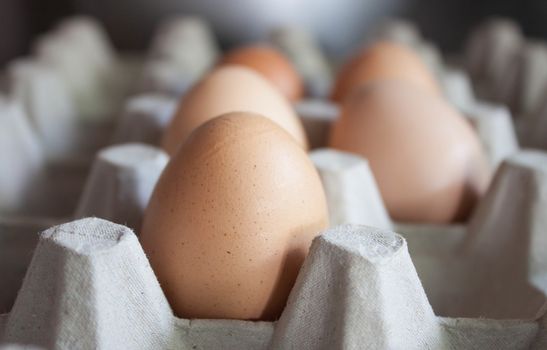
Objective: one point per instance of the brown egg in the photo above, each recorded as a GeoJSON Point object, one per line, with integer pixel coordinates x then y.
{"type": "Point", "coordinates": [384, 60]}
{"type": "Point", "coordinates": [426, 158]}
{"type": "Point", "coordinates": [271, 64]}
{"type": "Point", "coordinates": [231, 89]}
{"type": "Point", "coordinates": [231, 219]}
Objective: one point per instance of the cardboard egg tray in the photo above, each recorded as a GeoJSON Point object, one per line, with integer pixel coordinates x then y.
{"type": "Point", "coordinates": [88, 284]}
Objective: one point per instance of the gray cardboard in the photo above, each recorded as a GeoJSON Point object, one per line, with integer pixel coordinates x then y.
{"type": "Point", "coordinates": [350, 188]}
{"type": "Point", "coordinates": [89, 285]}
{"type": "Point", "coordinates": [144, 118]}
{"type": "Point", "coordinates": [121, 182]}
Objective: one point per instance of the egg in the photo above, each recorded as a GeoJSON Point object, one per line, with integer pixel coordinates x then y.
{"type": "Point", "coordinates": [271, 64]}
{"type": "Point", "coordinates": [232, 218]}
{"type": "Point", "coordinates": [427, 160]}
{"type": "Point", "coordinates": [230, 89]}
{"type": "Point", "coordinates": [384, 60]}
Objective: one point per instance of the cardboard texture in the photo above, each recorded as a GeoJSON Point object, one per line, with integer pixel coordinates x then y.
{"type": "Point", "coordinates": [105, 296]}
{"type": "Point", "coordinates": [488, 268]}
{"type": "Point", "coordinates": [351, 191]}
{"type": "Point", "coordinates": [103, 292]}
{"type": "Point", "coordinates": [89, 285]}
{"type": "Point", "coordinates": [495, 128]}
{"type": "Point", "coordinates": [144, 118]}
{"type": "Point", "coordinates": [121, 182]}
{"type": "Point", "coordinates": [18, 238]}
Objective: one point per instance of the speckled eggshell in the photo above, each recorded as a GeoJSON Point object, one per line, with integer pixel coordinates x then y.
{"type": "Point", "coordinates": [271, 64]}
{"type": "Point", "coordinates": [232, 218]}
{"type": "Point", "coordinates": [426, 158]}
{"type": "Point", "coordinates": [227, 89]}
{"type": "Point", "coordinates": [381, 61]}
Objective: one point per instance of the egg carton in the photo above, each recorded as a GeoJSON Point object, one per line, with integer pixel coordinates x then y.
{"type": "Point", "coordinates": [436, 251]}
{"type": "Point", "coordinates": [126, 171]}
{"type": "Point", "coordinates": [494, 271]}
{"type": "Point", "coordinates": [58, 109]}
{"type": "Point", "coordinates": [70, 92]}
{"type": "Point", "coordinates": [358, 287]}
{"type": "Point", "coordinates": [63, 103]}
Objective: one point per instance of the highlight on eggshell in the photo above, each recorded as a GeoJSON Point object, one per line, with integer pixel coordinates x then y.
{"type": "Point", "coordinates": [427, 159]}
{"type": "Point", "coordinates": [232, 218]}
{"type": "Point", "coordinates": [271, 64]}
{"type": "Point", "coordinates": [384, 60]}
{"type": "Point", "coordinates": [231, 88]}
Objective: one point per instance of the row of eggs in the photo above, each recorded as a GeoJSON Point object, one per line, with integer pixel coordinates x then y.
{"type": "Point", "coordinates": [235, 210]}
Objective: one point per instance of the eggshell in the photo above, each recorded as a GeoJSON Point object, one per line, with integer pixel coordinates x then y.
{"type": "Point", "coordinates": [384, 60]}
{"type": "Point", "coordinates": [425, 156]}
{"type": "Point", "coordinates": [271, 64]}
{"type": "Point", "coordinates": [231, 219]}
{"type": "Point", "coordinates": [231, 89]}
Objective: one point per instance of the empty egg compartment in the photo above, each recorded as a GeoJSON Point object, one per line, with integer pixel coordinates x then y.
{"type": "Point", "coordinates": [359, 286]}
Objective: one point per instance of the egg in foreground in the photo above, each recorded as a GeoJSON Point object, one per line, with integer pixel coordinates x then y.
{"type": "Point", "coordinates": [232, 218]}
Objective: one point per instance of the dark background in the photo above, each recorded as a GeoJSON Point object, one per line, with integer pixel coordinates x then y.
{"type": "Point", "coordinates": [131, 22]}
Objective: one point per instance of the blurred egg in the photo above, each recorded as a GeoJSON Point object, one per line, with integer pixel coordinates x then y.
{"type": "Point", "coordinates": [271, 64]}
{"type": "Point", "coordinates": [426, 158]}
{"type": "Point", "coordinates": [230, 89]}
{"type": "Point", "coordinates": [384, 60]}
{"type": "Point", "coordinates": [231, 219]}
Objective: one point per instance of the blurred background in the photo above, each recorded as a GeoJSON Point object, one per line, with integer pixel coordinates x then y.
{"type": "Point", "coordinates": [340, 24]}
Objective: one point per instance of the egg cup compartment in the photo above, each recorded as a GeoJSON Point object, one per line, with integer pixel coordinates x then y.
{"type": "Point", "coordinates": [62, 107]}
{"type": "Point", "coordinates": [371, 297]}
{"type": "Point", "coordinates": [32, 185]}
{"type": "Point", "coordinates": [144, 118]}
{"type": "Point", "coordinates": [36, 183]}
{"type": "Point", "coordinates": [59, 110]}
{"type": "Point", "coordinates": [362, 277]}
{"type": "Point", "coordinates": [489, 260]}
{"type": "Point", "coordinates": [121, 182]}
{"type": "Point", "coordinates": [18, 239]}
